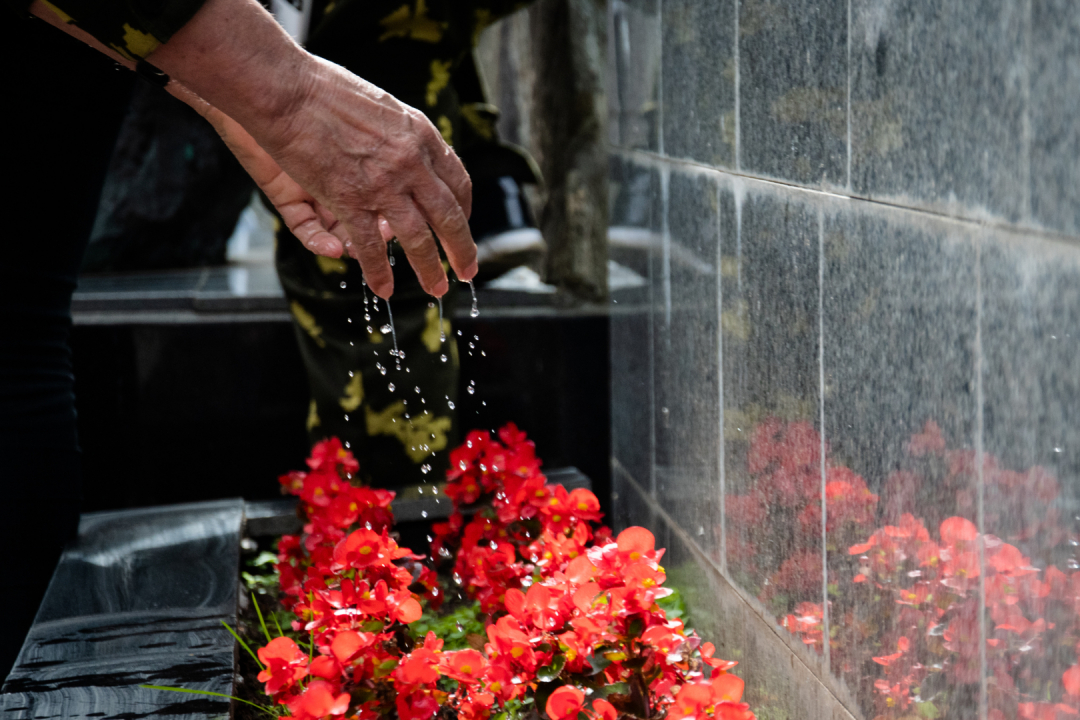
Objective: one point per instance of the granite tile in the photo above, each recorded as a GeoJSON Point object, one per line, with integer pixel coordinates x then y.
{"type": "Point", "coordinates": [771, 376]}
{"type": "Point", "coordinates": [686, 348]}
{"type": "Point", "coordinates": [779, 674]}
{"type": "Point", "coordinates": [1055, 114]}
{"type": "Point", "coordinates": [937, 104]}
{"type": "Point", "coordinates": [1031, 415]}
{"type": "Point", "coordinates": [793, 90]}
{"type": "Point", "coordinates": [636, 214]}
{"type": "Point", "coordinates": [635, 37]}
{"type": "Point", "coordinates": [699, 81]}
{"type": "Point", "coordinates": [899, 337]}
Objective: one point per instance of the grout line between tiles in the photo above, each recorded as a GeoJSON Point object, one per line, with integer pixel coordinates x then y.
{"type": "Point", "coordinates": [980, 510]}
{"type": "Point", "coordinates": [821, 418]}
{"type": "Point", "coordinates": [648, 158]}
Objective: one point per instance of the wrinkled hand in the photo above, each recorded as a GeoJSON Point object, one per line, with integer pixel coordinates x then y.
{"type": "Point", "coordinates": [382, 169]}
{"type": "Point", "coordinates": [312, 224]}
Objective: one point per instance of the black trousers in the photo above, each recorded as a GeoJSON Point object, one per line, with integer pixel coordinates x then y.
{"type": "Point", "coordinates": [65, 104]}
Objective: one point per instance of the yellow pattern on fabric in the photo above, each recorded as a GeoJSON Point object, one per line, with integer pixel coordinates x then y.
{"type": "Point", "coordinates": [313, 416]}
{"type": "Point", "coordinates": [307, 321]}
{"type": "Point", "coordinates": [431, 337]}
{"type": "Point", "coordinates": [446, 129]}
{"type": "Point", "coordinates": [331, 265]}
{"type": "Point", "coordinates": [404, 22]}
{"type": "Point", "coordinates": [138, 43]}
{"type": "Point", "coordinates": [484, 125]}
{"type": "Point", "coordinates": [354, 394]}
{"type": "Point", "coordinates": [58, 12]}
{"type": "Point", "coordinates": [421, 431]}
{"type": "Point", "coordinates": [440, 78]}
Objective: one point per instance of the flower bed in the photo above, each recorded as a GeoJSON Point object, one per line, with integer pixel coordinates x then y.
{"type": "Point", "coordinates": [523, 609]}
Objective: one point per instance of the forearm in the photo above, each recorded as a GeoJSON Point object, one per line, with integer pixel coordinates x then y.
{"type": "Point", "coordinates": [233, 54]}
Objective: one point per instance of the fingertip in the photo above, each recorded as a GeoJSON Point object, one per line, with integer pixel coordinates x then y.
{"type": "Point", "coordinates": [469, 272]}
{"type": "Point", "coordinates": [440, 288]}
{"type": "Point", "coordinates": [383, 289]}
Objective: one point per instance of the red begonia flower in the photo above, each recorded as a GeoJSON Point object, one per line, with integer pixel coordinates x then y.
{"type": "Point", "coordinates": [565, 703]}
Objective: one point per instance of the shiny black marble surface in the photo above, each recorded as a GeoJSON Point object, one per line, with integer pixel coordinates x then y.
{"type": "Point", "coordinates": [138, 599]}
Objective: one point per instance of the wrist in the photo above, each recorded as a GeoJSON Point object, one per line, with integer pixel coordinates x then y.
{"type": "Point", "coordinates": [234, 55]}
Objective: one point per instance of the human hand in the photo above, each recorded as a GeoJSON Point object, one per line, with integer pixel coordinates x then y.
{"type": "Point", "coordinates": [310, 222]}
{"type": "Point", "coordinates": [367, 160]}
{"type": "Point", "coordinates": [383, 170]}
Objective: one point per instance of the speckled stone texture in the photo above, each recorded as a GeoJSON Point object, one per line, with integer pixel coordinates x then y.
{"type": "Point", "coordinates": [858, 234]}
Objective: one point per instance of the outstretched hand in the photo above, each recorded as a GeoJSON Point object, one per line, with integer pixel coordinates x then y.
{"type": "Point", "coordinates": [348, 166]}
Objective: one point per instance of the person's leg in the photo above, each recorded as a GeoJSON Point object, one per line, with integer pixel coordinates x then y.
{"type": "Point", "coordinates": [66, 105]}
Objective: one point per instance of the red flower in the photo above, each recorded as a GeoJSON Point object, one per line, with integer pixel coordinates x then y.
{"type": "Point", "coordinates": [285, 665]}
{"type": "Point", "coordinates": [421, 667]}
{"type": "Point", "coordinates": [565, 703]}
{"type": "Point", "coordinates": [317, 701]}
{"type": "Point", "coordinates": [467, 666]}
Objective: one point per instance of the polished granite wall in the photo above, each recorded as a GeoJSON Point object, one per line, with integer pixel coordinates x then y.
{"type": "Point", "coordinates": [847, 396]}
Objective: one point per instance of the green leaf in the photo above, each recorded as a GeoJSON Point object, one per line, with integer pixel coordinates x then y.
{"type": "Point", "coordinates": [207, 692]}
{"type": "Point", "coordinates": [928, 710]}
{"type": "Point", "coordinates": [598, 661]}
{"type": "Point", "coordinates": [258, 611]}
{"type": "Point", "coordinates": [373, 626]}
{"type": "Point", "coordinates": [243, 644]}
{"type": "Point", "coordinates": [636, 627]}
{"type": "Point", "coordinates": [549, 673]}
{"type": "Point", "coordinates": [619, 688]}
{"type": "Point", "coordinates": [263, 558]}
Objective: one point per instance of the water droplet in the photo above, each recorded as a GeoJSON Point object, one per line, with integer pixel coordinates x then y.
{"type": "Point", "coordinates": [350, 321]}
{"type": "Point", "coordinates": [370, 329]}
{"type": "Point", "coordinates": [367, 316]}
{"type": "Point", "coordinates": [443, 358]}
{"type": "Point", "coordinates": [450, 404]}
{"type": "Point", "coordinates": [381, 368]}
{"type": "Point", "coordinates": [351, 373]}
{"type": "Point", "coordinates": [429, 538]}
{"type": "Point", "coordinates": [471, 389]}
{"type": "Point", "coordinates": [483, 354]}
{"type": "Point", "coordinates": [391, 261]}
{"type": "Point", "coordinates": [417, 389]}
{"type": "Point", "coordinates": [474, 312]}
{"type": "Point", "coordinates": [425, 469]}
{"type": "Point", "coordinates": [343, 284]}
{"type": "Point", "coordinates": [461, 464]}
{"type": "Point", "coordinates": [471, 346]}
{"type": "Point", "coordinates": [346, 418]}
{"type": "Point", "coordinates": [391, 386]}
{"type": "Point", "coordinates": [347, 445]}
{"type": "Point", "coordinates": [459, 333]}
{"type": "Point", "coordinates": [1057, 449]}
{"type": "Point", "coordinates": [385, 329]}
